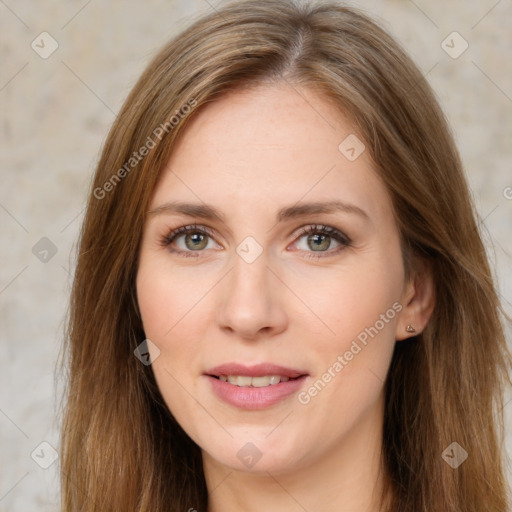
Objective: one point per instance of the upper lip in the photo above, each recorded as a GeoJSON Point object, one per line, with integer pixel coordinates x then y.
{"type": "Point", "coordinates": [257, 370]}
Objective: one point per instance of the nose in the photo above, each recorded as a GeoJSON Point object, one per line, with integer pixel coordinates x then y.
{"type": "Point", "coordinates": [251, 300]}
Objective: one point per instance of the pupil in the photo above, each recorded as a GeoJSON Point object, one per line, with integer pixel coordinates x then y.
{"type": "Point", "coordinates": [196, 239]}
{"type": "Point", "coordinates": [319, 239]}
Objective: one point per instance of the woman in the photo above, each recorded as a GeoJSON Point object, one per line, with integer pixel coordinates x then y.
{"type": "Point", "coordinates": [217, 361]}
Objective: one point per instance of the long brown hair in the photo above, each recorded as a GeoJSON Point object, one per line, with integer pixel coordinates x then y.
{"type": "Point", "coordinates": [122, 450]}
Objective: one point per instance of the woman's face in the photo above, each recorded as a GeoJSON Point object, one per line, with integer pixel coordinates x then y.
{"type": "Point", "coordinates": [248, 286]}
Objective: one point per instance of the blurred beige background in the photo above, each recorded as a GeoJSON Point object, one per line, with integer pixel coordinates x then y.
{"type": "Point", "coordinates": [56, 110]}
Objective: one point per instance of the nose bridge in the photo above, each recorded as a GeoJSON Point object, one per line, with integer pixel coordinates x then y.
{"type": "Point", "coordinates": [250, 277]}
{"type": "Point", "coordinates": [249, 296]}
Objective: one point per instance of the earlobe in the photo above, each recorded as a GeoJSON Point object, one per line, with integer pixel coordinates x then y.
{"type": "Point", "coordinates": [419, 302]}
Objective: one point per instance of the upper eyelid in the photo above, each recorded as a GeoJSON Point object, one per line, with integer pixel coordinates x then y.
{"type": "Point", "coordinates": [183, 230]}
{"type": "Point", "coordinates": [298, 232]}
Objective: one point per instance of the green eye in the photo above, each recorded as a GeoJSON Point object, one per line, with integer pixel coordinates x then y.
{"type": "Point", "coordinates": [319, 240]}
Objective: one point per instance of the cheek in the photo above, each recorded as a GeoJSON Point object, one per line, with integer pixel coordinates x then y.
{"type": "Point", "coordinates": [165, 296]}
{"type": "Point", "coordinates": [175, 308]}
{"type": "Point", "coordinates": [157, 300]}
{"type": "Point", "coordinates": [342, 302]}
{"type": "Point", "coordinates": [366, 302]}
{"type": "Point", "coordinates": [168, 305]}
{"type": "Point", "coordinates": [352, 334]}
{"type": "Point", "coordinates": [352, 356]}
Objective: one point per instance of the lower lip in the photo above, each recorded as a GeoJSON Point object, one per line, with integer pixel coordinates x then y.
{"type": "Point", "coordinates": [255, 398]}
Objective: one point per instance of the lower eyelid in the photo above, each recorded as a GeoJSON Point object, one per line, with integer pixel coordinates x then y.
{"type": "Point", "coordinates": [172, 239]}
{"type": "Point", "coordinates": [333, 233]}
{"type": "Point", "coordinates": [330, 250]}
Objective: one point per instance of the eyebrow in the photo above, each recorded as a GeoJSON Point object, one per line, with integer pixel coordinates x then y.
{"type": "Point", "coordinates": [206, 211]}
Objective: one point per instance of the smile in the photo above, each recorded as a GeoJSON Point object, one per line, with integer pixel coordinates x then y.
{"type": "Point", "coordinates": [256, 382]}
{"type": "Point", "coordinates": [254, 387]}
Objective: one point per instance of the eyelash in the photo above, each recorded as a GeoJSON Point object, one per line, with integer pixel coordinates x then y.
{"type": "Point", "coordinates": [312, 229]}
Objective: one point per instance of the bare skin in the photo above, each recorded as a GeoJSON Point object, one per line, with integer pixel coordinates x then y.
{"type": "Point", "coordinates": [250, 154]}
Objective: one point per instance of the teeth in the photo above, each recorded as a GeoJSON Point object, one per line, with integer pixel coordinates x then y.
{"type": "Point", "coordinates": [257, 382]}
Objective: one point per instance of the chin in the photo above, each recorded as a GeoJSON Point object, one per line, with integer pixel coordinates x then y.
{"type": "Point", "coordinates": [254, 454]}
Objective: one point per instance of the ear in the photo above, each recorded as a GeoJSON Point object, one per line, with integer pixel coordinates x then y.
{"type": "Point", "coordinates": [418, 300]}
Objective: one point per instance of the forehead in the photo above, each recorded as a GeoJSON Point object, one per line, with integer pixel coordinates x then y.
{"type": "Point", "coordinates": [269, 145]}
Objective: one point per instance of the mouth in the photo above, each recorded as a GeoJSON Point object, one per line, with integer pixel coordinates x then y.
{"type": "Point", "coordinates": [254, 387]}
{"type": "Point", "coordinates": [244, 381]}
{"type": "Point", "coordinates": [259, 375]}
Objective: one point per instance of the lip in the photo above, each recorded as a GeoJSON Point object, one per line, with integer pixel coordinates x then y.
{"type": "Point", "coordinates": [253, 398]}
{"type": "Point", "coordinates": [258, 370]}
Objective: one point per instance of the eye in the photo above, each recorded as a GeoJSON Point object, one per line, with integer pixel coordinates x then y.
{"type": "Point", "coordinates": [195, 239]}
{"type": "Point", "coordinates": [319, 237]}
